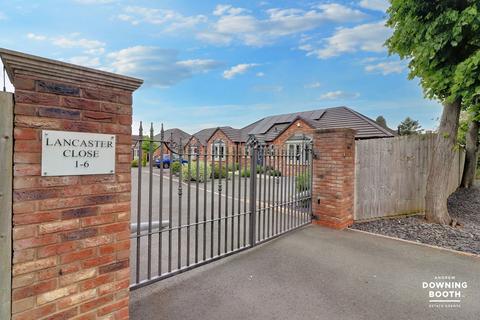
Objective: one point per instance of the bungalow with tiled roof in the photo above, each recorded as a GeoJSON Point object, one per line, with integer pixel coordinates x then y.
{"type": "Point", "coordinates": [172, 139]}
{"type": "Point", "coordinates": [286, 130]}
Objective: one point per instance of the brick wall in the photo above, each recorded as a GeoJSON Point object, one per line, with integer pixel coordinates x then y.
{"type": "Point", "coordinates": [161, 150]}
{"type": "Point", "coordinates": [333, 177]}
{"type": "Point", "coordinates": [71, 234]}
{"type": "Point", "coordinates": [297, 127]}
{"type": "Point", "coordinates": [194, 142]}
{"type": "Point", "coordinates": [230, 145]}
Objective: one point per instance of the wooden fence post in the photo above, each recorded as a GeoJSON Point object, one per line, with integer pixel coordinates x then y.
{"type": "Point", "coordinates": [6, 167]}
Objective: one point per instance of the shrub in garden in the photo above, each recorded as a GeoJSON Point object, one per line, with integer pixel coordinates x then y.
{"type": "Point", "coordinates": [144, 161]}
{"type": "Point", "coordinates": [176, 167]}
{"type": "Point", "coordinates": [302, 185]}
{"type": "Point", "coordinates": [135, 163]}
{"type": "Point", "coordinates": [302, 182]}
{"type": "Point", "coordinates": [218, 172]}
{"type": "Point", "coordinates": [202, 175]}
{"type": "Point", "coordinates": [245, 173]}
{"type": "Point", "coordinates": [233, 167]}
{"type": "Point", "coordinates": [274, 173]}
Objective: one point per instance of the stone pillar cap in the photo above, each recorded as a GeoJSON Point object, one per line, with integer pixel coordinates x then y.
{"type": "Point", "coordinates": [19, 63]}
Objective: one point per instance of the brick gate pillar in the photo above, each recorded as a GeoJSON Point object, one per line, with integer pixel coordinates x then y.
{"type": "Point", "coordinates": [333, 177]}
{"type": "Point", "coordinates": [71, 233]}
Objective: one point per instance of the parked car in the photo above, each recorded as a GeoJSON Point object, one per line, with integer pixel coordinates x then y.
{"type": "Point", "coordinates": [166, 161]}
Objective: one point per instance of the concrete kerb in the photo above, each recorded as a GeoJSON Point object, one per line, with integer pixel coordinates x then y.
{"type": "Point", "coordinates": [468, 254]}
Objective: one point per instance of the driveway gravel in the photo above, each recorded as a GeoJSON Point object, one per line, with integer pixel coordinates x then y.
{"type": "Point", "coordinates": [463, 205]}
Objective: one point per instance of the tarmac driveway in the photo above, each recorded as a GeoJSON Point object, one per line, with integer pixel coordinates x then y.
{"type": "Point", "coordinates": [317, 273]}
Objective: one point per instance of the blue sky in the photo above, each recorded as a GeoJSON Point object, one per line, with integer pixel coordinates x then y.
{"type": "Point", "coordinates": [210, 63]}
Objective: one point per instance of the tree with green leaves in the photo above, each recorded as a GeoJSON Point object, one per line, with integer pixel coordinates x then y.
{"type": "Point", "coordinates": [146, 144]}
{"type": "Point", "coordinates": [462, 128]}
{"type": "Point", "coordinates": [146, 148]}
{"type": "Point", "coordinates": [469, 136]}
{"type": "Point", "coordinates": [381, 121]}
{"type": "Point", "coordinates": [441, 41]}
{"type": "Point", "coordinates": [409, 126]}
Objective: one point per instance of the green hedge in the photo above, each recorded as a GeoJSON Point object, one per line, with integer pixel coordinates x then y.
{"type": "Point", "coordinates": [261, 170]}
{"type": "Point", "coordinates": [302, 182]}
{"type": "Point", "coordinates": [202, 175]}
{"type": "Point", "coordinates": [245, 173]}
{"type": "Point", "coordinates": [274, 173]}
{"type": "Point", "coordinates": [218, 172]}
{"type": "Point", "coordinates": [135, 163]}
{"type": "Point", "coordinates": [175, 166]}
{"type": "Point", "coordinates": [233, 167]}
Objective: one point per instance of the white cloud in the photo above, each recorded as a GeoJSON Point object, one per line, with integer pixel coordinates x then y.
{"type": "Point", "coordinates": [158, 67]}
{"type": "Point", "coordinates": [222, 9]}
{"type": "Point", "coordinates": [260, 74]}
{"type": "Point", "coordinates": [313, 85]}
{"type": "Point", "coordinates": [73, 40]}
{"type": "Point", "coordinates": [37, 37]}
{"type": "Point", "coordinates": [338, 95]}
{"type": "Point", "coordinates": [214, 38]}
{"type": "Point", "coordinates": [340, 13]}
{"type": "Point", "coordinates": [169, 19]}
{"type": "Point", "coordinates": [238, 69]}
{"type": "Point", "coordinates": [387, 67]}
{"type": "Point", "coordinates": [378, 5]}
{"type": "Point", "coordinates": [368, 37]}
{"type": "Point", "coordinates": [86, 61]}
{"type": "Point", "coordinates": [199, 65]}
{"type": "Point", "coordinates": [252, 31]}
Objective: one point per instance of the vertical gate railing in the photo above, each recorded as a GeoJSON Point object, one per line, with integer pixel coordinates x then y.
{"type": "Point", "coordinates": [194, 204]}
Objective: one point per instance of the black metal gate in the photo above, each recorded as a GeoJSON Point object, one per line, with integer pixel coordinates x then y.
{"type": "Point", "coordinates": [195, 204]}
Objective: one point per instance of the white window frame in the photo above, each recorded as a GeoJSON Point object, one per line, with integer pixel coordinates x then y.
{"type": "Point", "coordinates": [219, 148]}
{"type": "Point", "coordinates": [299, 148]}
{"type": "Point", "coordinates": [194, 150]}
{"type": "Point", "coordinates": [135, 153]}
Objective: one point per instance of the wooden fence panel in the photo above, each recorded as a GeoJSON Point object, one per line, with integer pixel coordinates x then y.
{"type": "Point", "coordinates": [6, 167]}
{"type": "Point", "coordinates": [391, 175]}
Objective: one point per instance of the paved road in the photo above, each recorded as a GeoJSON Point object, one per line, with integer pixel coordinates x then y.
{"type": "Point", "coordinates": [315, 273]}
{"type": "Point", "coordinates": [204, 239]}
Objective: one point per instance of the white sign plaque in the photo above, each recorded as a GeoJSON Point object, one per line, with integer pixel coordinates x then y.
{"type": "Point", "coordinates": [67, 153]}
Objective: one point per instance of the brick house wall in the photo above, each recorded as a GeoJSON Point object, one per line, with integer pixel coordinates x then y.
{"type": "Point", "coordinates": [70, 234]}
{"type": "Point", "coordinates": [193, 141]}
{"type": "Point", "coordinates": [161, 150]}
{"type": "Point", "coordinates": [230, 146]}
{"type": "Point", "coordinates": [298, 126]}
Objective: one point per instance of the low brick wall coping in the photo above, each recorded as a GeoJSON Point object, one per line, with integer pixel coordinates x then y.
{"type": "Point", "coordinates": [26, 64]}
